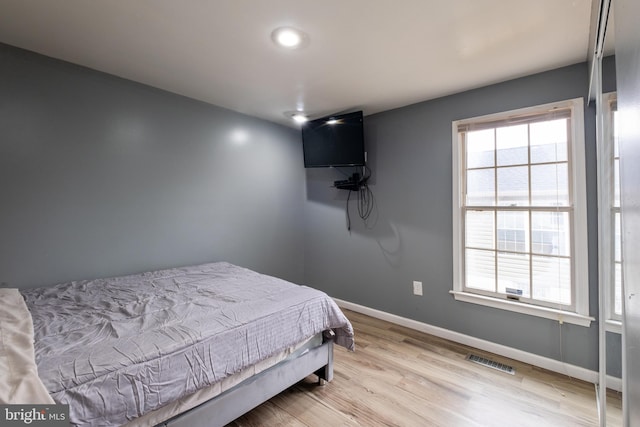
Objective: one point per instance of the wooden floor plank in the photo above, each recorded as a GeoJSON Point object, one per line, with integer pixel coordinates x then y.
{"type": "Point", "coordinates": [268, 414]}
{"type": "Point", "coordinates": [402, 377]}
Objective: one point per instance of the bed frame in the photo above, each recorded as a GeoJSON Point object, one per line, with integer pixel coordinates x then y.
{"type": "Point", "coordinates": [259, 388]}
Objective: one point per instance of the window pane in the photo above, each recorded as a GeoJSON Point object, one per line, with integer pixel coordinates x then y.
{"type": "Point", "coordinates": [617, 299]}
{"type": "Point", "coordinates": [549, 141]}
{"type": "Point", "coordinates": [550, 233]}
{"type": "Point", "coordinates": [550, 185]}
{"type": "Point", "coordinates": [513, 229]}
{"type": "Point", "coordinates": [513, 274]}
{"type": "Point", "coordinates": [616, 132]}
{"type": "Point", "coordinates": [552, 279]}
{"type": "Point", "coordinates": [480, 148]}
{"type": "Point", "coordinates": [616, 183]}
{"type": "Point", "coordinates": [512, 145]}
{"type": "Point", "coordinates": [480, 269]}
{"type": "Point", "coordinates": [479, 229]}
{"type": "Point", "coordinates": [617, 238]}
{"type": "Point", "coordinates": [481, 187]}
{"type": "Point", "coordinates": [513, 186]}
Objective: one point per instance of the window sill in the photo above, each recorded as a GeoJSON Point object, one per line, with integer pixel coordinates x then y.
{"type": "Point", "coordinates": [532, 310]}
{"type": "Point", "coordinates": [614, 326]}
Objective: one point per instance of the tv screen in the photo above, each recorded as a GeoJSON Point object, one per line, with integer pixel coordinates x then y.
{"type": "Point", "coordinates": [334, 141]}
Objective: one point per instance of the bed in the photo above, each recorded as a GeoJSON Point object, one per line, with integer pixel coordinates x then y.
{"type": "Point", "coordinates": [189, 346]}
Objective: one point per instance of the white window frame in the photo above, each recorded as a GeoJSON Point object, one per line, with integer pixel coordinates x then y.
{"type": "Point", "coordinates": [579, 315]}
{"type": "Point", "coordinates": [606, 242]}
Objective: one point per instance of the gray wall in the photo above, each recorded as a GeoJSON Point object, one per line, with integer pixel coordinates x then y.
{"type": "Point", "coordinates": [101, 176]}
{"type": "Point", "coordinates": [628, 69]}
{"type": "Point", "coordinates": [410, 238]}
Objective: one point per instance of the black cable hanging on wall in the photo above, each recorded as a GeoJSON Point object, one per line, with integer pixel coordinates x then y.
{"type": "Point", "coordinates": [360, 185]}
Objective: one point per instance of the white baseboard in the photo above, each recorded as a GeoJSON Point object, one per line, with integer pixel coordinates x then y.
{"type": "Point", "coordinates": [574, 371]}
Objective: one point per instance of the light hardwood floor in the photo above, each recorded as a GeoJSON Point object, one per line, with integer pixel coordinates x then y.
{"type": "Point", "coordinates": [398, 376]}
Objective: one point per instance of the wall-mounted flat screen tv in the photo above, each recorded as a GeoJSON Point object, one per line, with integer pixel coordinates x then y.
{"type": "Point", "coordinates": [334, 141]}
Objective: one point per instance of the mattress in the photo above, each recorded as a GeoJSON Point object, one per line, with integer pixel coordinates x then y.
{"type": "Point", "coordinates": [116, 349]}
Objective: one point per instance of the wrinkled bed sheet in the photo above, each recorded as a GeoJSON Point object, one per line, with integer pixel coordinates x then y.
{"type": "Point", "coordinates": [114, 349]}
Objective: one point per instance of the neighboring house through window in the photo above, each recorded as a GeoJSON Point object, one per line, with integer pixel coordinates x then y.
{"type": "Point", "coordinates": [519, 194]}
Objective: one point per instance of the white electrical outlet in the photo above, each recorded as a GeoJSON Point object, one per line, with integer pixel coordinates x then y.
{"type": "Point", "coordinates": [417, 288]}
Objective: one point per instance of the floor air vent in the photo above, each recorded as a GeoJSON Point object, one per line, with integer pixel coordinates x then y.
{"type": "Point", "coordinates": [491, 364]}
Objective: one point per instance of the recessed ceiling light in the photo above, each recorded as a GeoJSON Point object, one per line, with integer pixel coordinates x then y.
{"type": "Point", "coordinates": [299, 118]}
{"type": "Point", "coordinates": [289, 37]}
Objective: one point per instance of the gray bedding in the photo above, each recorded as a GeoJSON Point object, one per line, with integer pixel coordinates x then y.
{"type": "Point", "coordinates": [114, 349]}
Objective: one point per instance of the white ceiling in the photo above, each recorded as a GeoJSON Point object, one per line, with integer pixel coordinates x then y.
{"type": "Point", "coordinates": [363, 54]}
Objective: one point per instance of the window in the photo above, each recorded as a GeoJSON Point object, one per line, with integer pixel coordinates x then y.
{"type": "Point", "coordinates": [520, 240]}
{"type": "Point", "coordinates": [609, 188]}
